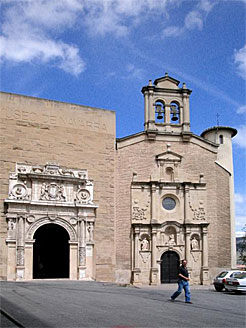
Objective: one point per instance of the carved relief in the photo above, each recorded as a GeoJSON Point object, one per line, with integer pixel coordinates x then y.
{"type": "Point", "coordinates": [198, 213]}
{"type": "Point", "coordinates": [73, 221]}
{"type": "Point", "coordinates": [20, 256]}
{"type": "Point", "coordinates": [171, 234]}
{"type": "Point", "coordinates": [83, 196]}
{"type": "Point", "coordinates": [30, 219]}
{"type": "Point", "coordinates": [137, 212]}
{"type": "Point", "coordinates": [145, 256]}
{"type": "Point", "coordinates": [11, 224]}
{"type": "Point", "coordinates": [90, 229]}
{"type": "Point", "coordinates": [52, 191]}
{"type": "Point", "coordinates": [19, 191]}
{"type": "Point", "coordinates": [82, 255]}
{"type": "Point", "coordinates": [195, 256]}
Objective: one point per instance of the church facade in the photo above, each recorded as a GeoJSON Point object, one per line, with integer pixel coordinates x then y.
{"type": "Point", "coordinates": [77, 203]}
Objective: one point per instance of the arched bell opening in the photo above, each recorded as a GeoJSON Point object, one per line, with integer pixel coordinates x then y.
{"type": "Point", "coordinates": [159, 111]}
{"type": "Point", "coordinates": [174, 112]}
{"type": "Point", "coordinates": [51, 252]}
{"type": "Point", "coordinates": [169, 267]}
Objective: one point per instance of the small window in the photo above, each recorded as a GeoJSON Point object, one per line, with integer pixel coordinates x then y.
{"type": "Point", "coordinates": [221, 139]}
{"type": "Point", "coordinates": [222, 274]}
{"type": "Point", "coordinates": [169, 203]}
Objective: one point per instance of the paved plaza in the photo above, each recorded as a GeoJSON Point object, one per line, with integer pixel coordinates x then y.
{"type": "Point", "coordinates": [63, 303]}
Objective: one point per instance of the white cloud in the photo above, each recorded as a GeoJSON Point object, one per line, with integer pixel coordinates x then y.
{"type": "Point", "coordinates": [134, 72]}
{"type": "Point", "coordinates": [240, 222]}
{"type": "Point", "coordinates": [27, 34]}
{"type": "Point", "coordinates": [193, 20]}
{"type": "Point", "coordinates": [240, 138]}
{"type": "Point", "coordinates": [31, 28]}
{"type": "Point", "coordinates": [240, 209]}
{"type": "Point", "coordinates": [172, 31]}
{"type": "Point", "coordinates": [240, 198]}
{"type": "Point", "coordinates": [240, 62]}
{"type": "Point", "coordinates": [241, 110]}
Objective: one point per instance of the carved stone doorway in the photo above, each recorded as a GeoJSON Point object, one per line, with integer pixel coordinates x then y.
{"type": "Point", "coordinates": [169, 267]}
{"type": "Point", "coordinates": [51, 252]}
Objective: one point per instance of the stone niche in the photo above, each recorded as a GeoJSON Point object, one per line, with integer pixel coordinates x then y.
{"type": "Point", "coordinates": [50, 194]}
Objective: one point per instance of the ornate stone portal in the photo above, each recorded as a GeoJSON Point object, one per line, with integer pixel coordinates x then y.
{"type": "Point", "coordinates": [40, 195]}
{"type": "Point", "coordinates": [168, 215]}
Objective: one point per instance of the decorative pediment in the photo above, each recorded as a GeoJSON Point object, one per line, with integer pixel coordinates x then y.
{"type": "Point", "coordinates": [169, 157]}
{"type": "Point", "coordinates": [167, 82]}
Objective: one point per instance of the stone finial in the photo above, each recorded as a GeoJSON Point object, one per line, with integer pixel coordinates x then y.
{"type": "Point", "coordinates": [168, 147]}
{"type": "Point", "coordinates": [184, 86]}
{"type": "Point", "coordinates": [150, 83]}
{"type": "Point", "coordinates": [166, 74]}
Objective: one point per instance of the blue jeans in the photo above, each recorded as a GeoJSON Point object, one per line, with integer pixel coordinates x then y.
{"type": "Point", "coordinates": [182, 285]}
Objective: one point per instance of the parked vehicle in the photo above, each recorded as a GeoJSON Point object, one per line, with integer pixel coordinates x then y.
{"type": "Point", "coordinates": [236, 284]}
{"type": "Point", "coordinates": [220, 279]}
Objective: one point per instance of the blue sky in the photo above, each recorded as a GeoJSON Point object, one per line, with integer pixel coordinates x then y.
{"type": "Point", "coordinates": [101, 52]}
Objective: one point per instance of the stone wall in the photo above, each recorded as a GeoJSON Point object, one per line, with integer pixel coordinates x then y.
{"type": "Point", "coordinates": [37, 131]}
{"type": "Point", "coordinates": [137, 155]}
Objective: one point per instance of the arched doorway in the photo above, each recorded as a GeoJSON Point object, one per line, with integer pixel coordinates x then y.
{"type": "Point", "coordinates": [169, 267]}
{"type": "Point", "coordinates": [51, 252]}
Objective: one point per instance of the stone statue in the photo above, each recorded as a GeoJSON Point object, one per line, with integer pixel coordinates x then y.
{"type": "Point", "coordinates": [194, 244]}
{"type": "Point", "coordinates": [145, 245]}
{"type": "Point", "coordinates": [90, 229]}
{"type": "Point", "coordinates": [171, 240]}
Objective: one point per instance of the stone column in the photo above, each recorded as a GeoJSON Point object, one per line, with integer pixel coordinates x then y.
{"type": "Point", "coordinates": [151, 110]}
{"type": "Point", "coordinates": [205, 269]}
{"type": "Point", "coordinates": [73, 256]}
{"type": "Point", "coordinates": [154, 269]}
{"type": "Point", "coordinates": [186, 110]}
{"type": "Point", "coordinates": [186, 203]}
{"type": "Point", "coordinates": [29, 259]}
{"type": "Point", "coordinates": [187, 244]}
{"type": "Point", "coordinates": [20, 259]}
{"type": "Point", "coordinates": [167, 114]}
{"type": "Point", "coordinates": [82, 249]}
{"type": "Point", "coordinates": [146, 109]}
{"type": "Point", "coordinates": [153, 202]}
{"type": "Point", "coordinates": [136, 248]}
{"type": "Point", "coordinates": [136, 269]}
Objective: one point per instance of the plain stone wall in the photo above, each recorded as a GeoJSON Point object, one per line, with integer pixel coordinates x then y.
{"type": "Point", "coordinates": [37, 131]}
{"type": "Point", "coordinates": [139, 156]}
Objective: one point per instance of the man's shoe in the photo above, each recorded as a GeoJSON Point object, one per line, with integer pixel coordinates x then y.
{"type": "Point", "coordinates": [189, 302]}
{"type": "Point", "coordinates": [171, 299]}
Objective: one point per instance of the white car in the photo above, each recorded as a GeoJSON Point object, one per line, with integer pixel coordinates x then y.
{"type": "Point", "coordinates": [220, 279]}
{"type": "Point", "coordinates": [236, 284]}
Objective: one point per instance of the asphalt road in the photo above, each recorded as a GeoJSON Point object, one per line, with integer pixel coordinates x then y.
{"type": "Point", "coordinates": [91, 304]}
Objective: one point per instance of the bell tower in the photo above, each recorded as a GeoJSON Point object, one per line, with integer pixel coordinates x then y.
{"type": "Point", "coordinates": [166, 107]}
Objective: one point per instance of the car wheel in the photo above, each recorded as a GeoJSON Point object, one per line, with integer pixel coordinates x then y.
{"type": "Point", "coordinates": [218, 289]}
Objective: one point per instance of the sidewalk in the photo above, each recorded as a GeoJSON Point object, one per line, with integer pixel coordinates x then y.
{"type": "Point", "coordinates": [174, 286]}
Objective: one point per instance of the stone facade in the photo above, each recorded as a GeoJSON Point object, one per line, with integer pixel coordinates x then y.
{"type": "Point", "coordinates": [131, 212]}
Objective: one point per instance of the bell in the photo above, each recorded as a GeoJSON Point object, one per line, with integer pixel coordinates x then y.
{"type": "Point", "coordinates": [174, 117]}
{"type": "Point", "coordinates": [174, 112]}
{"type": "Point", "coordinates": [159, 112]}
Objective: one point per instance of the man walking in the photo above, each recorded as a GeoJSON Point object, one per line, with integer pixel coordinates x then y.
{"type": "Point", "coordinates": [183, 282]}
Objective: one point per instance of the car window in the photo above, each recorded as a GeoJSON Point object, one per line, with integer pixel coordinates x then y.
{"type": "Point", "coordinates": [235, 274]}
{"type": "Point", "coordinates": [241, 275]}
{"type": "Point", "coordinates": [222, 274]}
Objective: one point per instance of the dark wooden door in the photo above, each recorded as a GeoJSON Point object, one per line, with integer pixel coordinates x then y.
{"type": "Point", "coordinates": [169, 267]}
